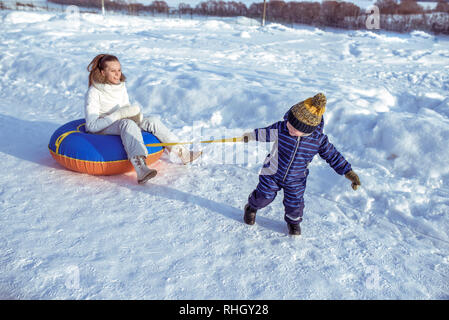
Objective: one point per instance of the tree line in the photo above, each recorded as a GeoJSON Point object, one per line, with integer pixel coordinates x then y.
{"type": "Point", "coordinates": [395, 15]}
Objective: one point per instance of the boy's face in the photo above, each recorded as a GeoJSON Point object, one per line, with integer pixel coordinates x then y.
{"type": "Point", "coordinates": [294, 132]}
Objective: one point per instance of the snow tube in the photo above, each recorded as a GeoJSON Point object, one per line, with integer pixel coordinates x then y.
{"type": "Point", "coordinates": [96, 154]}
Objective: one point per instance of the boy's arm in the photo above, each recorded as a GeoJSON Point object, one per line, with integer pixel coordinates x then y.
{"type": "Point", "coordinates": [334, 158]}
{"type": "Point", "coordinates": [329, 153]}
{"type": "Point", "coordinates": [266, 134]}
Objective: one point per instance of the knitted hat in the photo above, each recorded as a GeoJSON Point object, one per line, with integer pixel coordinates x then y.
{"type": "Point", "coordinates": [306, 115]}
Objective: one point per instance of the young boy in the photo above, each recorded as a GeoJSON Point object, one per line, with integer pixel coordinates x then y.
{"type": "Point", "coordinates": [298, 138]}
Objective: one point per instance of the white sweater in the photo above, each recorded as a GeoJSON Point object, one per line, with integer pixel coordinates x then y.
{"type": "Point", "coordinates": [101, 101]}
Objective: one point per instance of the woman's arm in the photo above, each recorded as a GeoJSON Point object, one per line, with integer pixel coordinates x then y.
{"type": "Point", "coordinates": [95, 122]}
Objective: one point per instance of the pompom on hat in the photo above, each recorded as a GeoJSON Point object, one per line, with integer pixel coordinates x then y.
{"type": "Point", "coordinates": [306, 115]}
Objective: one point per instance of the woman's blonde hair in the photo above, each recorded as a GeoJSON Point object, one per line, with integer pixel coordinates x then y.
{"type": "Point", "coordinates": [98, 64]}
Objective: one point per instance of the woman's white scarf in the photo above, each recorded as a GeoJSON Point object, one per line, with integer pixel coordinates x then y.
{"type": "Point", "coordinates": [113, 91]}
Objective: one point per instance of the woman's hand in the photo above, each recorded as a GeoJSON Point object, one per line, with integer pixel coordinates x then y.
{"type": "Point", "coordinates": [126, 112]}
{"type": "Point", "coordinates": [137, 118]}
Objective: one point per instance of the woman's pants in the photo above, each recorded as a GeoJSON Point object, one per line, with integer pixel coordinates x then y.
{"type": "Point", "coordinates": [131, 134]}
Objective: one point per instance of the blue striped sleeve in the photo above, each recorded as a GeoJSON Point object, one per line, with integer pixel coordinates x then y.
{"type": "Point", "coordinates": [269, 133]}
{"type": "Point", "coordinates": [334, 158]}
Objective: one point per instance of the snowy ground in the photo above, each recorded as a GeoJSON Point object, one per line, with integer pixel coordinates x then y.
{"type": "Point", "coordinates": [65, 235]}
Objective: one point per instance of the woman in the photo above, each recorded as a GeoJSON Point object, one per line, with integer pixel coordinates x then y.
{"type": "Point", "coordinates": [108, 111]}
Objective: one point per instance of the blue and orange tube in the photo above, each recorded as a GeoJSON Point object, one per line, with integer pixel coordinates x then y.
{"type": "Point", "coordinates": [95, 154]}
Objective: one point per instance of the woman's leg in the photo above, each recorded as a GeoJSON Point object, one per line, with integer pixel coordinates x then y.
{"type": "Point", "coordinates": [131, 136]}
{"type": "Point", "coordinates": [156, 127]}
{"type": "Point", "coordinates": [135, 148]}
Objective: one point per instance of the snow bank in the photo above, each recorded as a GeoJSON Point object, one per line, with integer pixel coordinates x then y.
{"type": "Point", "coordinates": [411, 142]}
{"type": "Point", "coordinates": [16, 17]}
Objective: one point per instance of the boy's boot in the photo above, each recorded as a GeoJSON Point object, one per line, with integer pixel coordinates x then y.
{"type": "Point", "coordinates": [294, 229]}
{"type": "Point", "coordinates": [249, 215]}
{"type": "Point", "coordinates": [143, 172]}
{"type": "Point", "coordinates": [185, 155]}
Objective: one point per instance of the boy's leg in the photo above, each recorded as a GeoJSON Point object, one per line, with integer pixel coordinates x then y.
{"type": "Point", "coordinates": [261, 197]}
{"type": "Point", "coordinates": [294, 202]}
{"type": "Point", "coordinates": [264, 193]}
{"type": "Point", "coordinates": [293, 215]}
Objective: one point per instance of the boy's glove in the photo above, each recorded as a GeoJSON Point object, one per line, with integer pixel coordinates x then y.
{"type": "Point", "coordinates": [354, 178]}
{"type": "Point", "coordinates": [248, 136]}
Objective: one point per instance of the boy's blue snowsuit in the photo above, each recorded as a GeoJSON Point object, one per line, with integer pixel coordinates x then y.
{"type": "Point", "coordinates": [291, 157]}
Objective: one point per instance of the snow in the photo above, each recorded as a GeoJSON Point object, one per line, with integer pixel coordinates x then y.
{"type": "Point", "coordinates": [66, 235]}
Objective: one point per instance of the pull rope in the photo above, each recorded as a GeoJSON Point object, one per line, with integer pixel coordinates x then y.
{"type": "Point", "coordinates": [165, 144]}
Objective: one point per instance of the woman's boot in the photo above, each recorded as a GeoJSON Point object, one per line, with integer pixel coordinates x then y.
{"type": "Point", "coordinates": [185, 155]}
{"type": "Point", "coordinates": [143, 172]}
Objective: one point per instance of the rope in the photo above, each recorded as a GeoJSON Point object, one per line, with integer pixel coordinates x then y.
{"type": "Point", "coordinates": [165, 144]}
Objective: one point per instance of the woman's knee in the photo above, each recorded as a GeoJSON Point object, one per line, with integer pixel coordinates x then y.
{"type": "Point", "coordinates": [125, 124]}
{"type": "Point", "coordinates": [152, 118]}
{"type": "Point", "coordinates": [153, 125]}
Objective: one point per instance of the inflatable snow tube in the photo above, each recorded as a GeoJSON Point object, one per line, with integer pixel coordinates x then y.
{"type": "Point", "coordinates": [96, 154]}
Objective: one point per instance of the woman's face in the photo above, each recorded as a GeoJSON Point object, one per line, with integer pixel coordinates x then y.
{"type": "Point", "coordinates": [294, 132]}
{"type": "Point", "coordinates": [112, 72]}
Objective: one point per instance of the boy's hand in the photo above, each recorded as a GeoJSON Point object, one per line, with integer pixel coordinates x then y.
{"type": "Point", "coordinates": [248, 136]}
{"type": "Point", "coordinates": [354, 178]}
